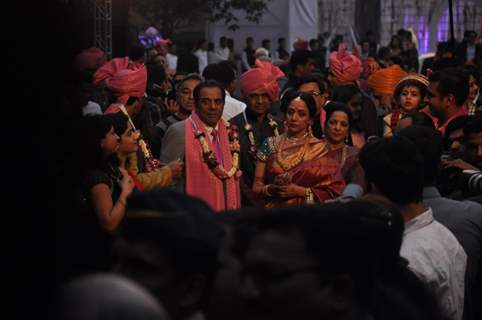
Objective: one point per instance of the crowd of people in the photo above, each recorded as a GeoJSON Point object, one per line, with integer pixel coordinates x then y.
{"type": "Point", "coordinates": [316, 183]}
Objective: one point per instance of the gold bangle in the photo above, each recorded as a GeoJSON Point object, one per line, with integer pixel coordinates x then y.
{"type": "Point", "coordinates": [266, 191]}
{"type": "Point", "coordinates": [122, 202]}
{"type": "Point", "coordinates": [309, 195]}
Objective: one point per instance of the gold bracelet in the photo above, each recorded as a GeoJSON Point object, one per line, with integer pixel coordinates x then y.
{"type": "Point", "coordinates": [309, 195]}
{"type": "Point", "coordinates": [266, 191]}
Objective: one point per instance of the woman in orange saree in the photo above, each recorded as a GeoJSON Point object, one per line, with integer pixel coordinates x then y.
{"type": "Point", "coordinates": [294, 168]}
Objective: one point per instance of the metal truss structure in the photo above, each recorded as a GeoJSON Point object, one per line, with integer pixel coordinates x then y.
{"type": "Point", "coordinates": [103, 26]}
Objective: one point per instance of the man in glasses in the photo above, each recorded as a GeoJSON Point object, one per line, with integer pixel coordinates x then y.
{"type": "Point", "coordinates": [317, 86]}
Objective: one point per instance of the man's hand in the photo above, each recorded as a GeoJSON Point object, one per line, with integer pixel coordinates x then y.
{"type": "Point", "coordinates": [458, 163]}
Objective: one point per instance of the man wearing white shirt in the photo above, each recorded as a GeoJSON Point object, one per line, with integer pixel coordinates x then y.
{"type": "Point", "coordinates": [224, 73]}
{"type": "Point", "coordinates": [394, 168]}
{"type": "Point", "coordinates": [223, 51]}
{"type": "Point", "coordinates": [202, 54]}
{"type": "Point", "coordinates": [171, 59]}
{"type": "Point", "coordinates": [91, 108]}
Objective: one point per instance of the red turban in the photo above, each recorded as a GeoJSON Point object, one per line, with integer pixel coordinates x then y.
{"type": "Point", "coordinates": [385, 80]}
{"type": "Point", "coordinates": [262, 75]}
{"type": "Point", "coordinates": [90, 59]}
{"type": "Point", "coordinates": [346, 67]}
{"type": "Point", "coordinates": [123, 77]}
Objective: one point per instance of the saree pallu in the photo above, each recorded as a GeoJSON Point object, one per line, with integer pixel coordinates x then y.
{"type": "Point", "coordinates": [316, 171]}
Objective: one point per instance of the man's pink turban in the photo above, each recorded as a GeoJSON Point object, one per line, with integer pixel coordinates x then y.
{"type": "Point", "coordinates": [123, 77]}
{"type": "Point", "coordinates": [262, 75]}
{"type": "Point", "coordinates": [162, 45]}
{"type": "Point", "coordinates": [345, 66]}
{"type": "Point", "coordinates": [90, 59]}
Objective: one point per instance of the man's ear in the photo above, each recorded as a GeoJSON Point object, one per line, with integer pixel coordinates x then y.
{"type": "Point", "coordinates": [449, 100]}
{"type": "Point", "coordinates": [193, 289]}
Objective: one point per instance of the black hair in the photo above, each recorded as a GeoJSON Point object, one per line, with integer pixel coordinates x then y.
{"type": "Point", "coordinates": [89, 131]}
{"type": "Point", "coordinates": [156, 74]}
{"type": "Point", "coordinates": [383, 52]}
{"type": "Point", "coordinates": [207, 84]}
{"type": "Point", "coordinates": [306, 97]}
{"type": "Point", "coordinates": [190, 76]}
{"type": "Point", "coordinates": [316, 78]}
{"type": "Point", "coordinates": [455, 124]}
{"type": "Point", "coordinates": [221, 72]}
{"type": "Point", "coordinates": [429, 143]}
{"type": "Point", "coordinates": [120, 122]}
{"type": "Point", "coordinates": [136, 52]}
{"type": "Point", "coordinates": [452, 81]}
{"type": "Point", "coordinates": [473, 125]}
{"type": "Point", "coordinates": [300, 57]}
{"type": "Point", "coordinates": [264, 42]}
{"type": "Point", "coordinates": [179, 226]}
{"type": "Point", "coordinates": [344, 93]}
{"type": "Point", "coordinates": [249, 39]}
{"type": "Point", "coordinates": [420, 119]}
{"type": "Point", "coordinates": [472, 70]}
{"type": "Point", "coordinates": [200, 42]}
{"type": "Point", "coordinates": [395, 167]}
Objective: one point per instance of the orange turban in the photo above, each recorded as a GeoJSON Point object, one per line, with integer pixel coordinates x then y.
{"type": "Point", "coordinates": [385, 80]}
{"type": "Point", "coordinates": [89, 59]}
{"type": "Point", "coordinates": [262, 75]}
{"type": "Point", "coordinates": [345, 66]}
{"type": "Point", "coordinates": [123, 77]}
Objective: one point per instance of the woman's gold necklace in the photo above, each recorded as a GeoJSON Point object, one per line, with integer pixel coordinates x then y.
{"type": "Point", "coordinates": [288, 164]}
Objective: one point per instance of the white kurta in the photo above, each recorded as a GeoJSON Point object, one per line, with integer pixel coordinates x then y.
{"type": "Point", "coordinates": [437, 258]}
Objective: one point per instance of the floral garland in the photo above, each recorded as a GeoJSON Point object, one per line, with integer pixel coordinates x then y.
{"type": "Point", "coordinates": [210, 157]}
{"type": "Point", "coordinates": [252, 150]}
{"type": "Point", "coordinates": [151, 163]}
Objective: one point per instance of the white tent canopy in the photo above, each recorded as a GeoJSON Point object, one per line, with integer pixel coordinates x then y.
{"type": "Point", "coordinates": [283, 19]}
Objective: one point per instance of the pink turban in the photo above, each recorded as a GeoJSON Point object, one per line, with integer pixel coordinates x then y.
{"type": "Point", "coordinates": [161, 46]}
{"type": "Point", "coordinates": [262, 75]}
{"type": "Point", "coordinates": [90, 59]}
{"type": "Point", "coordinates": [346, 67]}
{"type": "Point", "coordinates": [123, 77]}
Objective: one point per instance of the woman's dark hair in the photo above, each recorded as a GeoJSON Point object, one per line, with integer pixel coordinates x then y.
{"type": "Point", "coordinates": [307, 98]}
{"type": "Point", "coordinates": [333, 106]}
{"type": "Point", "coordinates": [120, 122]}
{"type": "Point", "coordinates": [89, 132]}
{"type": "Point", "coordinates": [344, 93]}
